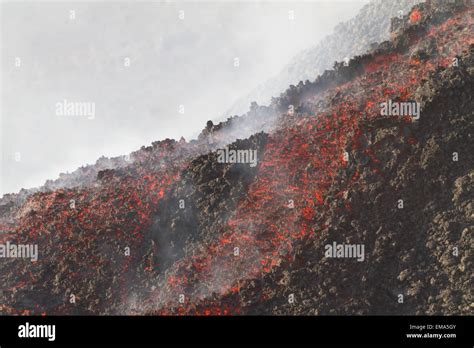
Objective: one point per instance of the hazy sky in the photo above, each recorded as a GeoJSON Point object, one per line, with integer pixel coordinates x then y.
{"type": "Point", "coordinates": [179, 54]}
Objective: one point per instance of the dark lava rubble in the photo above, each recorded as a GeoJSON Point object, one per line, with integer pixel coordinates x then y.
{"type": "Point", "coordinates": [173, 231]}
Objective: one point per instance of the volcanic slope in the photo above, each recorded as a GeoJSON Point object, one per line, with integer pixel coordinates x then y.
{"type": "Point", "coordinates": [356, 36]}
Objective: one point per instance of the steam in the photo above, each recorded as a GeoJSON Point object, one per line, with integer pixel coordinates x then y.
{"type": "Point", "coordinates": [173, 62]}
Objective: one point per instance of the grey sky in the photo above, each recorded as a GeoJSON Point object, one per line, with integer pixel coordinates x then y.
{"type": "Point", "coordinates": [173, 62]}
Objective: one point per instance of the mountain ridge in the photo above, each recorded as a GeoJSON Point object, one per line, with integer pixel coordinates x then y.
{"type": "Point", "coordinates": [182, 214]}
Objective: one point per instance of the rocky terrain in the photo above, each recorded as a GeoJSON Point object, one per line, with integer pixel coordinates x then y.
{"type": "Point", "coordinates": [356, 36]}
{"type": "Point", "coordinates": [176, 231]}
{"type": "Point", "coordinates": [370, 26]}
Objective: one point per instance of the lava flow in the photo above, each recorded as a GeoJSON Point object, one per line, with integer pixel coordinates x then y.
{"type": "Point", "coordinates": [176, 232]}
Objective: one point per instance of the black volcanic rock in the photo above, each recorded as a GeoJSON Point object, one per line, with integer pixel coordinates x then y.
{"type": "Point", "coordinates": [167, 224]}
